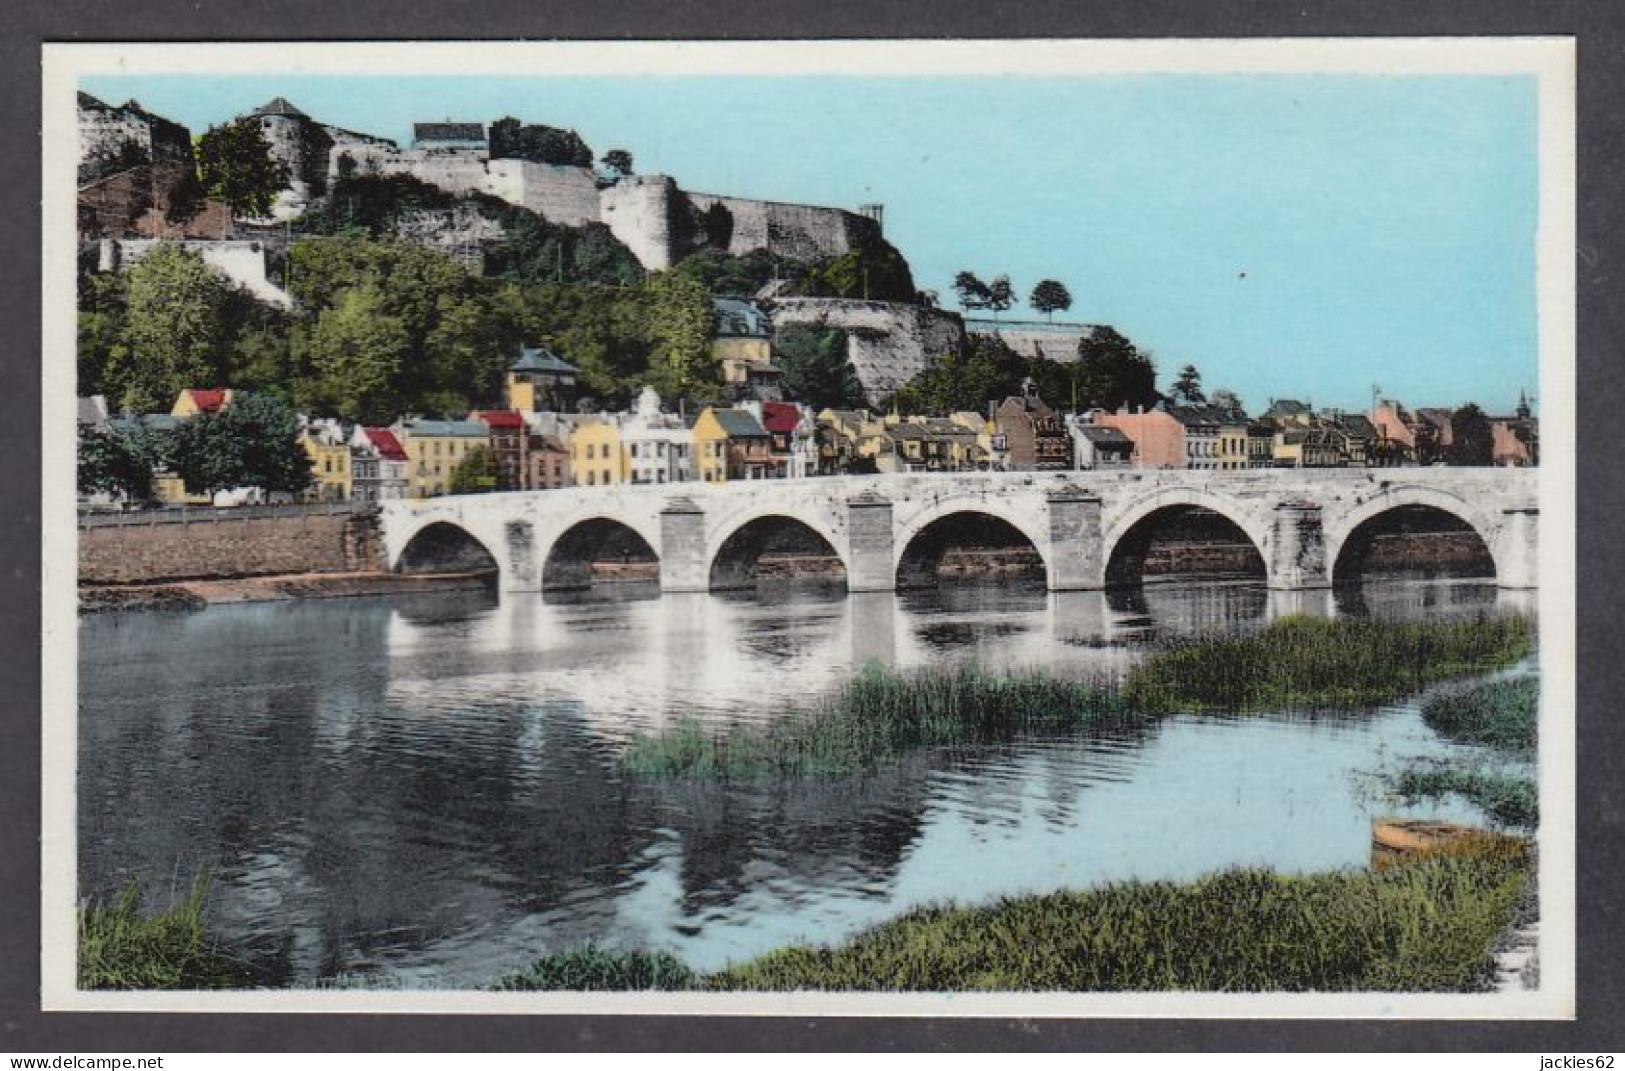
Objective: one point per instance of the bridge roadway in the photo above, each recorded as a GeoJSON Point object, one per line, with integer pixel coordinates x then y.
{"type": "Point", "coordinates": [1085, 525]}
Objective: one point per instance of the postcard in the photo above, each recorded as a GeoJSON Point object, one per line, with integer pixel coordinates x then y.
{"type": "Point", "coordinates": [1042, 528]}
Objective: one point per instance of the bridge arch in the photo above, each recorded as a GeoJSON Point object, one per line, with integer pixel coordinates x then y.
{"type": "Point", "coordinates": [586, 543]}
{"type": "Point", "coordinates": [925, 539]}
{"type": "Point", "coordinates": [441, 546]}
{"type": "Point", "coordinates": [1409, 508]}
{"type": "Point", "coordinates": [1132, 533]}
{"type": "Point", "coordinates": [742, 540]}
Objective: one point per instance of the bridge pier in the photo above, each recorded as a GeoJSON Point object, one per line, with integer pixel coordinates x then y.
{"type": "Point", "coordinates": [871, 559]}
{"type": "Point", "coordinates": [1075, 537]}
{"type": "Point", "coordinates": [1517, 565]}
{"type": "Point", "coordinates": [683, 562]}
{"type": "Point", "coordinates": [521, 571]}
{"type": "Point", "coordinates": [1297, 558]}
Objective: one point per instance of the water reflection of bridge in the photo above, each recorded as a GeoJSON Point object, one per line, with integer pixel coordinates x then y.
{"type": "Point", "coordinates": [1083, 530]}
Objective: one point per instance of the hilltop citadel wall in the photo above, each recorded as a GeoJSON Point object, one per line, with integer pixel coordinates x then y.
{"type": "Point", "coordinates": [888, 344]}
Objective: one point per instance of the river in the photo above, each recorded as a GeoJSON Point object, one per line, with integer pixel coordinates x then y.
{"type": "Point", "coordinates": [422, 791]}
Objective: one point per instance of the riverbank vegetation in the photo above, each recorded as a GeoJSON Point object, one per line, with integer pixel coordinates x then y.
{"type": "Point", "coordinates": [1321, 663]}
{"type": "Point", "coordinates": [123, 947]}
{"type": "Point", "coordinates": [1421, 924]}
{"type": "Point", "coordinates": [1293, 662]}
{"type": "Point", "coordinates": [594, 968]}
{"type": "Point", "coordinates": [1502, 715]}
{"type": "Point", "coordinates": [1510, 799]}
{"type": "Point", "coordinates": [872, 719]}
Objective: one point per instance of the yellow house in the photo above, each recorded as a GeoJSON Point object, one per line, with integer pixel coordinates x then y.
{"type": "Point", "coordinates": [597, 456]}
{"type": "Point", "coordinates": [433, 450]}
{"type": "Point", "coordinates": [192, 402]}
{"type": "Point", "coordinates": [742, 343]}
{"type": "Point", "coordinates": [329, 452]}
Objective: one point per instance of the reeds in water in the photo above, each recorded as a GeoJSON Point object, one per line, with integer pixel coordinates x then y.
{"type": "Point", "coordinates": [1315, 662]}
{"type": "Point", "coordinates": [594, 968]}
{"type": "Point", "coordinates": [873, 718]}
{"type": "Point", "coordinates": [1503, 714]}
{"type": "Point", "coordinates": [1508, 798]}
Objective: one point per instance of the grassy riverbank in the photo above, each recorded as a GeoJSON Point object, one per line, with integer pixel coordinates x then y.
{"type": "Point", "coordinates": [122, 947]}
{"type": "Point", "coordinates": [872, 719]}
{"type": "Point", "coordinates": [1426, 924]}
{"type": "Point", "coordinates": [1293, 662]}
{"type": "Point", "coordinates": [1320, 663]}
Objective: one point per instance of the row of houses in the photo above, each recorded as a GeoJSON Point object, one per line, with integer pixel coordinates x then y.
{"type": "Point", "coordinates": [533, 446]}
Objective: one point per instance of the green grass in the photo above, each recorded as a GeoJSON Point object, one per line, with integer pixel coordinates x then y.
{"type": "Point", "coordinates": [121, 947]}
{"type": "Point", "coordinates": [1426, 924]}
{"type": "Point", "coordinates": [1508, 798]}
{"type": "Point", "coordinates": [1314, 662]}
{"type": "Point", "coordinates": [595, 969]}
{"type": "Point", "coordinates": [872, 719]}
{"type": "Point", "coordinates": [1503, 714]}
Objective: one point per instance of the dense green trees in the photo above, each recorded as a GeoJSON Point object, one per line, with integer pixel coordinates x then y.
{"type": "Point", "coordinates": [476, 473]}
{"type": "Point", "coordinates": [235, 164]}
{"type": "Point", "coordinates": [679, 333]}
{"type": "Point", "coordinates": [253, 442]}
{"type": "Point", "coordinates": [816, 369]}
{"type": "Point", "coordinates": [1112, 372]}
{"type": "Point", "coordinates": [1472, 440]}
{"type": "Point", "coordinates": [985, 369]}
{"type": "Point", "coordinates": [511, 139]}
{"type": "Point", "coordinates": [118, 461]}
{"type": "Point", "coordinates": [170, 330]}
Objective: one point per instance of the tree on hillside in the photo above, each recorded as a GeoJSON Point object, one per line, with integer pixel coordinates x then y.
{"type": "Point", "coordinates": [236, 166]}
{"type": "Point", "coordinates": [1112, 372]}
{"type": "Point", "coordinates": [1472, 440]}
{"type": "Point", "coordinates": [1187, 389]}
{"type": "Point", "coordinates": [253, 442]}
{"type": "Point", "coordinates": [617, 161]}
{"type": "Point", "coordinates": [972, 292]}
{"type": "Point", "coordinates": [679, 331]}
{"type": "Point", "coordinates": [816, 369]}
{"type": "Point", "coordinates": [1001, 294]}
{"type": "Point", "coordinates": [1227, 400]}
{"type": "Point", "coordinates": [477, 472]}
{"type": "Point", "coordinates": [174, 333]}
{"type": "Point", "coordinates": [725, 274]}
{"type": "Point", "coordinates": [118, 462]}
{"type": "Point", "coordinates": [983, 370]}
{"type": "Point", "coordinates": [872, 271]}
{"type": "Point", "coordinates": [355, 355]}
{"type": "Point", "coordinates": [1050, 297]}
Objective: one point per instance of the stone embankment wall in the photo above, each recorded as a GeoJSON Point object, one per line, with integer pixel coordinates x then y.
{"type": "Point", "coordinates": [223, 544]}
{"type": "Point", "coordinates": [887, 343]}
{"type": "Point", "coordinates": [1035, 338]}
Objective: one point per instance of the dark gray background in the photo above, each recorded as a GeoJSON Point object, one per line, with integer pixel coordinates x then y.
{"type": "Point", "coordinates": [1598, 25]}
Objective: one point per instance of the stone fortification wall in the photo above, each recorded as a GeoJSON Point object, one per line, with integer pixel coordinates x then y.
{"type": "Point", "coordinates": [560, 194]}
{"type": "Point", "coordinates": [638, 211]}
{"type": "Point", "coordinates": [105, 130]}
{"type": "Point", "coordinates": [738, 225]}
{"type": "Point", "coordinates": [1035, 338]}
{"type": "Point", "coordinates": [662, 223]}
{"type": "Point", "coordinates": [242, 262]}
{"type": "Point", "coordinates": [565, 195]}
{"type": "Point", "coordinates": [887, 343]}
{"type": "Point", "coordinates": [223, 545]}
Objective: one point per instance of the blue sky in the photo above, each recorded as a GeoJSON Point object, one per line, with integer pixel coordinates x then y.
{"type": "Point", "coordinates": [1291, 235]}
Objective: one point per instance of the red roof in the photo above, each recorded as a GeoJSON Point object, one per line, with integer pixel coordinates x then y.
{"type": "Point", "coordinates": [207, 401]}
{"type": "Point", "coordinates": [500, 418]}
{"type": "Point", "coordinates": [383, 440]}
{"type": "Point", "coordinates": [780, 417]}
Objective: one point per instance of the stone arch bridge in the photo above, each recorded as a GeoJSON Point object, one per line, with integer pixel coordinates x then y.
{"type": "Point", "coordinates": [1084, 524]}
